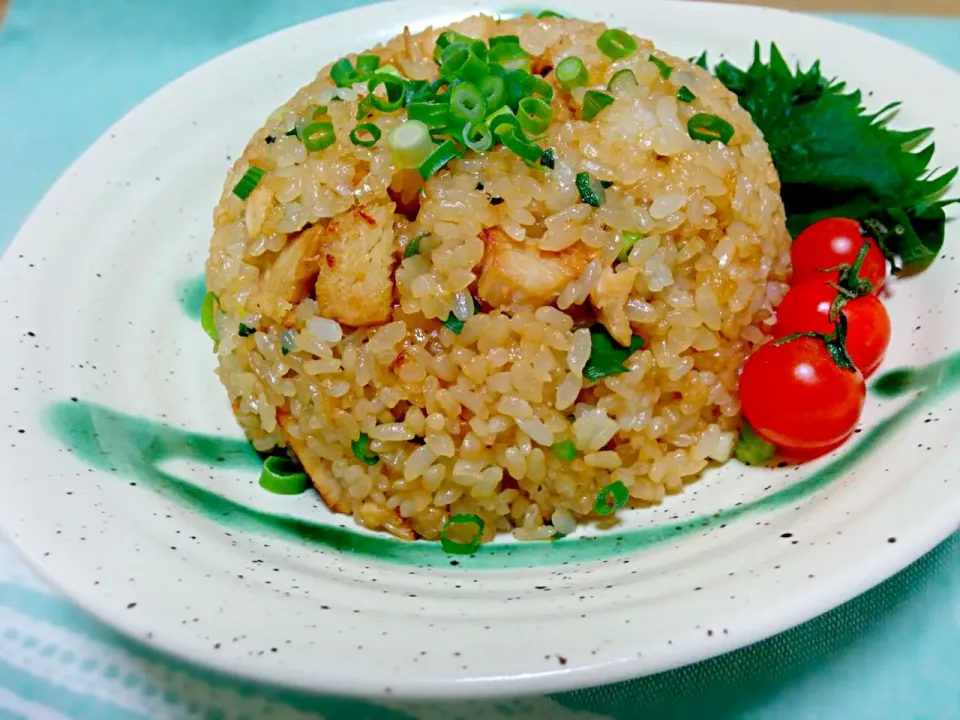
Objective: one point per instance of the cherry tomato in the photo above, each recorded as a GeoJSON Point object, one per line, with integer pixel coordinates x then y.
{"type": "Point", "coordinates": [833, 242]}
{"type": "Point", "coordinates": [806, 308]}
{"type": "Point", "coordinates": [796, 396]}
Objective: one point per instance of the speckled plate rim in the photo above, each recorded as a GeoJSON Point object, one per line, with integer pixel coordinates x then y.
{"type": "Point", "coordinates": [936, 526]}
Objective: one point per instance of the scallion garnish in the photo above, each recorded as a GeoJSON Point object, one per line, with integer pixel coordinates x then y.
{"type": "Point", "coordinates": [343, 74]}
{"type": "Point", "coordinates": [365, 129]}
{"type": "Point", "coordinates": [751, 448]}
{"type": "Point", "coordinates": [665, 70]}
{"type": "Point", "coordinates": [245, 330]}
{"type": "Point", "coordinates": [549, 158]}
{"type": "Point", "coordinates": [616, 44]}
{"type": "Point", "coordinates": [455, 547]}
{"type": "Point", "coordinates": [283, 476]}
{"type": "Point", "coordinates": [391, 70]}
{"type": "Point", "coordinates": [431, 114]}
{"type": "Point", "coordinates": [565, 450]}
{"type": "Point", "coordinates": [361, 450]}
{"type": "Point", "coordinates": [463, 64]}
{"type": "Point", "coordinates": [504, 40]}
{"type": "Point", "coordinates": [248, 183]}
{"type": "Point", "coordinates": [627, 242]}
{"type": "Point", "coordinates": [686, 95]}
{"type": "Point", "coordinates": [208, 315]}
{"type": "Point", "coordinates": [318, 136]}
{"type": "Point", "coordinates": [510, 57]}
{"type": "Point", "coordinates": [413, 247]}
{"type": "Point", "coordinates": [611, 498]}
{"type": "Point", "coordinates": [477, 137]}
{"type": "Point", "coordinates": [367, 64]}
{"type": "Point", "coordinates": [707, 127]}
{"type": "Point", "coordinates": [534, 115]}
{"type": "Point", "coordinates": [539, 86]}
{"type": "Point", "coordinates": [501, 118]}
{"type": "Point", "coordinates": [548, 14]}
{"type": "Point", "coordinates": [494, 91]}
{"type": "Point", "coordinates": [593, 102]}
{"type": "Point", "coordinates": [622, 80]}
{"type": "Point", "coordinates": [364, 107]}
{"type": "Point", "coordinates": [395, 89]}
{"type": "Point", "coordinates": [591, 191]}
{"type": "Point", "coordinates": [607, 356]}
{"type": "Point", "coordinates": [319, 112]}
{"type": "Point", "coordinates": [444, 153]}
{"type": "Point", "coordinates": [514, 140]}
{"type": "Point", "coordinates": [410, 144]}
{"type": "Point", "coordinates": [467, 104]}
{"type": "Point", "coordinates": [571, 73]}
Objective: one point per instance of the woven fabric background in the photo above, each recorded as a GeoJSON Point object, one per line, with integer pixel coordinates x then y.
{"type": "Point", "coordinates": [68, 69]}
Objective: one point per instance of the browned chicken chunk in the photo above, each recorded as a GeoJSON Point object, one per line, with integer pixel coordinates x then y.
{"type": "Point", "coordinates": [515, 274]}
{"type": "Point", "coordinates": [357, 258]}
{"type": "Point", "coordinates": [288, 281]}
{"type": "Point", "coordinates": [610, 300]}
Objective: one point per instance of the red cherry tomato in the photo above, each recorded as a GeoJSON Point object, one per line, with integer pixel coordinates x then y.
{"type": "Point", "coordinates": [796, 396]}
{"type": "Point", "coordinates": [833, 242]}
{"type": "Point", "coordinates": [806, 308]}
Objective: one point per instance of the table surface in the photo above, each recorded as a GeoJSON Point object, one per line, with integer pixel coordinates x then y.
{"type": "Point", "coordinates": [892, 653]}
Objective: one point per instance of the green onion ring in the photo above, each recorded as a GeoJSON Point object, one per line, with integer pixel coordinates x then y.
{"type": "Point", "coordinates": [283, 476]}
{"type": "Point", "coordinates": [615, 491]}
{"type": "Point", "coordinates": [571, 73]}
{"type": "Point", "coordinates": [707, 127]}
{"type": "Point", "coordinates": [318, 136]}
{"type": "Point", "coordinates": [444, 153]}
{"type": "Point", "coordinates": [396, 92]}
{"type": "Point", "coordinates": [534, 115]}
{"type": "Point", "coordinates": [616, 43]}
{"type": "Point", "coordinates": [456, 548]}
{"type": "Point", "coordinates": [372, 130]}
{"type": "Point", "coordinates": [477, 137]}
{"type": "Point", "coordinates": [208, 315]}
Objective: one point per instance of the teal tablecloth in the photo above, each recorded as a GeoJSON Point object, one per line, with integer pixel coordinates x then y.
{"type": "Point", "coordinates": [68, 69]}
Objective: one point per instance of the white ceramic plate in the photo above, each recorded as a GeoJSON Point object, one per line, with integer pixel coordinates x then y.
{"type": "Point", "coordinates": [126, 481]}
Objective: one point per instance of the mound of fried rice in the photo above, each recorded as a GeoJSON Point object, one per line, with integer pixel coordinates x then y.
{"type": "Point", "coordinates": [347, 334]}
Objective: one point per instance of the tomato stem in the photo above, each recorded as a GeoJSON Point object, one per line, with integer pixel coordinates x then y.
{"type": "Point", "coordinates": [875, 228]}
{"type": "Point", "coordinates": [835, 342]}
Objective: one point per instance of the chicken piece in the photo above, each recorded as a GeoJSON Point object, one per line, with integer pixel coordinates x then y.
{"type": "Point", "coordinates": [515, 274]}
{"type": "Point", "coordinates": [288, 281]}
{"type": "Point", "coordinates": [321, 478]}
{"type": "Point", "coordinates": [357, 257]}
{"type": "Point", "coordinates": [610, 299]}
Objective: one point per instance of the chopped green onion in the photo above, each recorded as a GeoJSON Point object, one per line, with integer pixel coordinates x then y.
{"type": "Point", "coordinates": [444, 153]}
{"type": "Point", "coordinates": [494, 91]}
{"type": "Point", "coordinates": [707, 127]}
{"type": "Point", "coordinates": [686, 95]}
{"type": "Point", "coordinates": [361, 450]}
{"type": "Point", "coordinates": [467, 104]}
{"type": "Point", "coordinates": [751, 448]}
{"type": "Point", "coordinates": [541, 87]}
{"type": "Point", "coordinates": [431, 114]}
{"type": "Point", "coordinates": [622, 80]}
{"type": "Point", "coordinates": [606, 184]}
{"type": "Point", "coordinates": [410, 144]}
{"type": "Point", "coordinates": [549, 158]}
{"type": "Point", "coordinates": [208, 315]}
{"type": "Point", "coordinates": [366, 128]}
{"type": "Point", "coordinates": [248, 183]}
{"type": "Point", "coordinates": [245, 330]}
{"type": "Point", "coordinates": [548, 14]}
{"type": "Point", "coordinates": [390, 70]}
{"type": "Point", "coordinates": [510, 57]}
{"type": "Point", "coordinates": [504, 40]}
{"type": "Point", "coordinates": [455, 324]}
{"type": "Point", "coordinates": [364, 107]}
{"type": "Point", "coordinates": [607, 356]}
{"type": "Point", "coordinates": [449, 37]}
{"type": "Point", "coordinates": [283, 476]}
{"type": "Point", "coordinates": [318, 136]}
{"type": "Point", "coordinates": [565, 450]}
{"type": "Point", "coordinates": [534, 115]}
{"type": "Point", "coordinates": [665, 70]}
{"type": "Point", "coordinates": [616, 44]}
{"type": "Point", "coordinates": [591, 191]}
{"type": "Point", "coordinates": [503, 116]}
{"type": "Point", "coordinates": [627, 242]}
{"type": "Point", "coordinates": [611, 498]}
{"type": "Point", "coordinates": [418, 91]}
{"type": "Point", "coordinates": [413, 247]}
{"type": "Point", "coordinates": [477, 137]}
{"type": "Point", "coordinates": [343, 74]}
{"type": "Point", "coordinates": [396, 91]}
{"type": "Point", "coordinates": [571, 73]}
{"type": "Point", "coordinates": [463, 64]}
{"type": "Point", "coordinates": [593, 102]}
{"type": "Point", "coordinates": [292, 132]}
{"type": "Point", "coordinates": [519, 84]}
{"type": "Point", "coordinates": [455, 547]}
{"type": "Point", "coordinates": [367, 64]}
{"type": "Point", "coordinates": [288, 341]}
{"type": "Point", "coordinates": [320, 112]}
{"type": "Point", "coordinates": [514, 140]}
